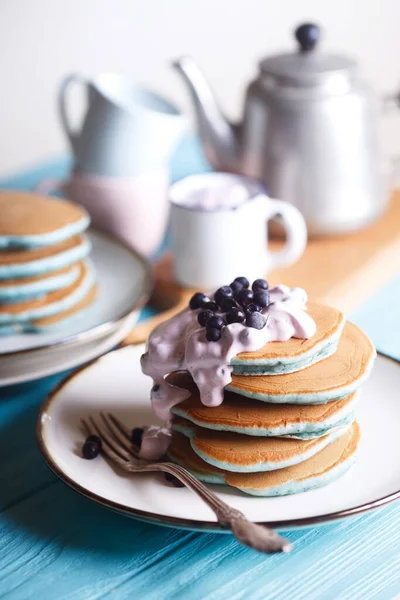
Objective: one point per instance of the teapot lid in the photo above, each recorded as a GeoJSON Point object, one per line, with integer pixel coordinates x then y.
{"type": "Point", "coordinates": [307, 66]}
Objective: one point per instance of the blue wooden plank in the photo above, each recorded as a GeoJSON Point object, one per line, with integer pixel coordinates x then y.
{"type": "Point", "coordinates": [55, 544]}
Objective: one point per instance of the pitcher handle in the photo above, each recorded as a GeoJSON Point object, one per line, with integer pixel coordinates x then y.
{"type": "Point", "coordinates": [296, 233]}
{"type": "Point", "coordinates": [62, 106]}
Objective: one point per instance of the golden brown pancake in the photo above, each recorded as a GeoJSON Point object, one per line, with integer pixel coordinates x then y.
{"type": "Point", "coordinates": [328, 320]}
{"type": "Point", "coordinates": [245, 453]}
{"type": "Point", "coordinates": [7, 283]}
{"type": "Point", "coordinates": [244, 415]}
{"type": "Point", "coordinates": [333, 378]}
{"type": "Point", "coordinates": [25, 213]}
{"type": "Point", "coordinates": [19, 257]}
{"type": "Point", "coordinates": [57, 319]}
{"type": "Point", "coordinates": [56, 296]}
{"type": "Point", "coordinates": [318, 470]}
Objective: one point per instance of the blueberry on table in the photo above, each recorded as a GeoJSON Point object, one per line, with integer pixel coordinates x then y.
{"type": "Point", "coordinates": [136, 436]}
{"type": "Point", "coordinates": [252, 307]}
{"type": "Point", "coordinates": [223, 292]}
{"type": "Point", "coordinates": [244, 297]}
{"type": "Point", "coordinates": [174, 480]}
{"type": "Point", "coordinates": [259, 284]}
{"type": "Point", "coordinates": [256, 320]}
{"type": "Point", "coordinates": [92, 446]}
{"type": "Point", "coordinates": [261, 297]}
{"type": "Point", "coordinates": [244, 282]}
{"type": "Point", "coordinates": [213, 334]}
{"type": "Point", "coordinates": [198, 300]}
{"type": "Point", "coordinates": [216, 322]}
{"type": "Point", "coordinates": [236, 315]}
{"type": "Point", "coordinates": [227, 304]}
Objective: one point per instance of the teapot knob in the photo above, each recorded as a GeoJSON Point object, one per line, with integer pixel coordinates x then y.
{"type": "Point", "coordinates": [307, 35]}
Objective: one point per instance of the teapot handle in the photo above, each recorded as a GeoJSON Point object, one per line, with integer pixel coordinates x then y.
{"type": "Point", "coordinates": [62, 106]}
{"type": "Point", "coordinates": [296, 233]}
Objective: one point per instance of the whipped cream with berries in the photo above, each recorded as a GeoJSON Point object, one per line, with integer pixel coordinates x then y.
{"type": "Point", "coordinates": [180, 344]}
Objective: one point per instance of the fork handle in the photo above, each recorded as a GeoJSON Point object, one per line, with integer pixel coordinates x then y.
{"type": "Point", "coordinates": [251, 534]}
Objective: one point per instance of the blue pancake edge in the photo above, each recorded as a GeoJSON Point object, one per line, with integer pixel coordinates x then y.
{"type": "Point", "coordinates": [261, 466]}
{"type": "Point", "coordinates": [35, 289]}
{"type": "Point", "coordinates": [283, 365]}
{"type": "Point", "coordinates": [54, 308]}
{"type": "Point", "coordinates": [19, 242]}
{"type": "Point", "coordinates": [47, 264]}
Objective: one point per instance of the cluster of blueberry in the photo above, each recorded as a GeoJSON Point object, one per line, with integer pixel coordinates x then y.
{"type": "Point", "coordinates": [237, 301]}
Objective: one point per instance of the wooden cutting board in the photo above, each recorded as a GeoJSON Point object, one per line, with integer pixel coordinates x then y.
{"type": "Point", "coordinates": [340, 271]}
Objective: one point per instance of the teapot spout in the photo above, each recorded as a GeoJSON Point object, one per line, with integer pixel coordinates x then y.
{"type": "Point", "coordinates": [219, 137]}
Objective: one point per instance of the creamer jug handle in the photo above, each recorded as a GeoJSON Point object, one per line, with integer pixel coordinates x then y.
{"type": "Point", "coordinates": [72, 135]}
{"type": "Point", "coordinates": [296, 233]}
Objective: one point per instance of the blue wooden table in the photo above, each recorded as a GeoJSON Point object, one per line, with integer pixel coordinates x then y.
{"type": "Point", "coordinates": [57, 545]}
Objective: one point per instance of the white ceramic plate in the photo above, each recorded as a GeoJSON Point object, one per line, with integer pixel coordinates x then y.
{"type": "Point", "coordinates": [115, 383]}
{"type": "Point", "coordinates": [124, 283]}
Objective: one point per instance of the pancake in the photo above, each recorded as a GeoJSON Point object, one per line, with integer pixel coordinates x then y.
{"type": "Point", "coordinates": [52, 303]}
{"type": "Point", "coordinates": [31, 221]}
{"type": "Point", "coordinates": [334, 378]}
{"type": "Point", "coordinates": [248, 454]}
{"type": "Point", "coordinates": [27, 263]}
{"type": "Point", "coordinates": [61, 320]}
{"type": "Point", "coordinates": [319, 470]}
{"type": "Point", "coordinates": [295, 354]}
{"type": "Point", "coordinates": [14, 290]}
{"type": "Point", "coordinates": [252, 417]}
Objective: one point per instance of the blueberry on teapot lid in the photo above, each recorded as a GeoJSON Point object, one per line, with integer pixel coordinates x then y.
{"type": "Point", "coordinates": [308, 35]}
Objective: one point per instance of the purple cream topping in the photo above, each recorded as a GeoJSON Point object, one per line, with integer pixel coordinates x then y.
{"type": "Point", "coordinates": [180, 344]}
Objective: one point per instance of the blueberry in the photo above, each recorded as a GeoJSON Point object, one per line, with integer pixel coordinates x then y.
{"type": "Point", "coordinates": [236, 315]}
{"type": "Point", "coordinates": [198, 300]}
{"type": "Point", "coordinates": [256, 320]}
{"type": "Point", "coordinates": [94, 438]}
{"type": "Point", "coordinates": [236, 286]}
{"type": "Point", "coordinates": [259, 284]}
{"type": "Point", "coordinates": [252, 307]}
{"type": "Point", "coordinates": [216, 322]}
{"type": "Point", "coordinates": [174, 480]}
{"type": "Point", "coordinates": [227, 304]}
{"type": "Point", "coordinates": [204, 315]}
{"type": "Point", "coordinates": [244, 282]}
{"type": "Point", "coordinates": [213, 334]}
{"type": "Point", "coordinates": [92, 446]}
{"type": "Point", "coordinates": [244, 297]}
{"type": "Point", "coordinates": [136, 436]}
{"type": "Point", "coordinates": [261, 297]}
{"type": "Point", "coordinates": [223, 292]}
{"type": "Point", "coordinates": [212, 306]}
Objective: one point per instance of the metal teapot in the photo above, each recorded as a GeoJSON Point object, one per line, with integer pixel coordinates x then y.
{"type": "Point", "coordinates": [309, 132]}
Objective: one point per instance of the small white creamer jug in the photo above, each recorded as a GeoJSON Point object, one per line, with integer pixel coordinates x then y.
{"type": "Point", "coordinates": [219, 230]}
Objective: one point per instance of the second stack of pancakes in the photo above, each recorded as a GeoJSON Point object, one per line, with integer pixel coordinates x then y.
{"type": "Point", "coordinates": [287, 423]}
{"type": "Point", "coordinates": [46, 277]}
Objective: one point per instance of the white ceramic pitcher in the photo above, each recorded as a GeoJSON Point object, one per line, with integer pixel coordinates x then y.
{"type": "Point", "coordinates": [127, 130]}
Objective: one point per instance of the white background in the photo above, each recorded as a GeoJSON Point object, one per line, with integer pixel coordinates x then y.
{"type": "Point", "coordinates": [42, 40]}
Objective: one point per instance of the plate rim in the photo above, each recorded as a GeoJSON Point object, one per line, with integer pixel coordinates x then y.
{"type": "Point", "coordinates": [98, 330]}
{"type": "Point", "coordinates": [180, 522]}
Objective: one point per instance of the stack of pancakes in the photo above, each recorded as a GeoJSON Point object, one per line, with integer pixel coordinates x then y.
{"type": "Point", "coordinates": [45, 277]}
{"type": "Point", "coordinates": [287, 422]}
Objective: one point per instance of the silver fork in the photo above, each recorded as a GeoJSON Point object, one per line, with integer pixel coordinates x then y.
{"type": "Point", "coordinates": [117, 446]}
